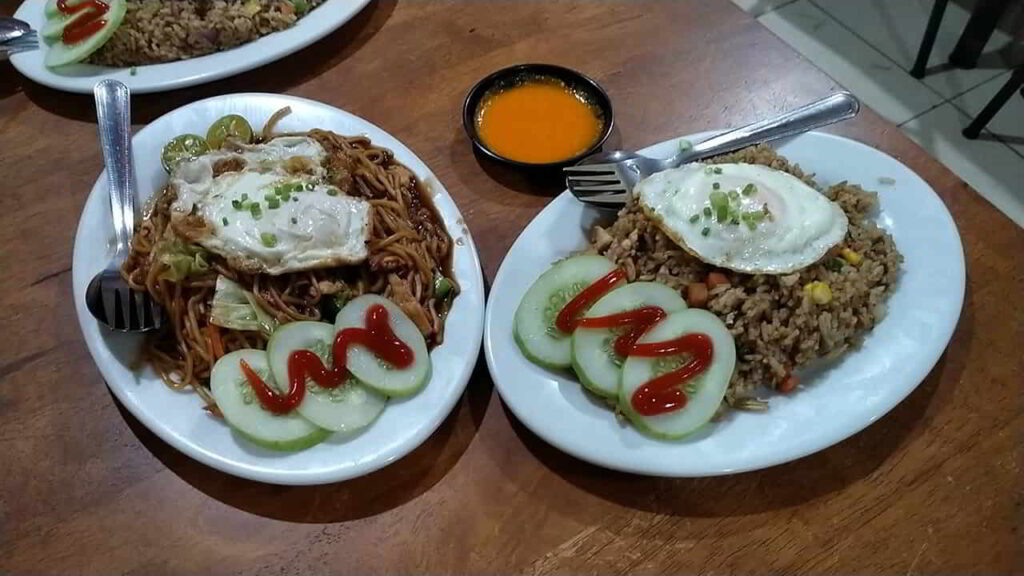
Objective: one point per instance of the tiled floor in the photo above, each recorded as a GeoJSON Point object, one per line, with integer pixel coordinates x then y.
{"type": "Point", "coordinates": [869, 45]}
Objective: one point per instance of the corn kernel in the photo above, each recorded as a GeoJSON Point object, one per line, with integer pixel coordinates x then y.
{"type": "Point", "coordinates": [819, 292]}
{"type": "Point", "coordinates": [851, 256]}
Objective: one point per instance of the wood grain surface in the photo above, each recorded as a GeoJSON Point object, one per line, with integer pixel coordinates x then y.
{"type": "Point", "coordinates": [934, 486]}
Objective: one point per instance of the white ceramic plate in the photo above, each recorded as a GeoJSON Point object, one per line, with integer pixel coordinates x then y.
{"type": "Point", "coordinates": [327, 18]}
{"type": "Point", "coordinates": [177, 417]}
{"type": "Point", "coordinates": [834, 403]}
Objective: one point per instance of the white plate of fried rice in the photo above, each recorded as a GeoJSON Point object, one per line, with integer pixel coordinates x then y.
{"type": "Point", "coordinates": [178, 416]}
{"type": "Point", "coordinates": [169, 44]}
{"type": "Point", "coordinates": [902, 303]}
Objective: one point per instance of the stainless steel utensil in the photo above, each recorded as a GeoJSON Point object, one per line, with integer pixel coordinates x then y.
{"type": "Point", "coordinates": [606, 179]}
{"type": "Point", "coordinates": [11, 28]}
{"type": "Point", "coordinates": [19, 44]}
{"type": "Point", "coordinates": [108, 296]}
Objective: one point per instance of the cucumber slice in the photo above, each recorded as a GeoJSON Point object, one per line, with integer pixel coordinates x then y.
{"type": "Point", "coordinates": [373, 372]}
{"type": "Point", "coordinates": [535, 331]}
{"type": "Point", "coordinates": [593, 349]}
{"type": "Point", "coordinates": [704, 393]}
{"type": "Point", "coordinates": [61, 54]}
{"type": "Point", "coordinates": [243, 411]}
{"type": "Point", "coordinates": [347, 408]}
{"type": "Point", "coordinates": [54, 27]}
{"type": "Point", "coordinates": [51, 10]}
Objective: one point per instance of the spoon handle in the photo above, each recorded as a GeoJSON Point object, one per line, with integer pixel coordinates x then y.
{"type": "Point", "coordinates": [838, 106]}
{"type": "Point", "coordinates": [113, 114]}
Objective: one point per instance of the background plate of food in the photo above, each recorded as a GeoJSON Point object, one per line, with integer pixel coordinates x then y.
{"type": "Point", "coordinates": [280, 224]}
{"type": "Point", "coordinates": [790, 309]}
{"type": "Point", "coordinates": [159, 45]}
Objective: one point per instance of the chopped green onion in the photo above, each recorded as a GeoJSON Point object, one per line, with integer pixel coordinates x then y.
{"type": "Point", "coordinates": [237, 204]}
{"type": "Point", "coordinates": [715, 185]}
{"type": "Point", "coordinates": [749, 190]}
{"type": "Point", "coordinates": [685, 144]}
{"type": "Point", "coordinates": [705, 231]}
{"type": "Point", "coordinates": [285, 196]}
{"type": "Point", "coordinates": [269, 240]}
{"type": "Point", "coordinates": [707, 211]}
{"type": "Point", "coordinates": [734, 195]}
{"type": "Point", "coordinates": [720, 204]}
{"type": "Point", "coordinates": [295, 220]}
{"type": "Point", "coordinates": [709, 170]}
{"type": "Point", "coordinates": [244, 196]}
{"type": "Point", "coordinates": [269, 196]}
{"type": "Point", "coordinates": [310, 186]}
{"type": "Point", "coordinates": [694, 218]}
{"type": "Point", "coordinates": [332, 192]}
{"type": "Point", "coordinates": [296, 187]}
{"type": "Point", "coordinates": [295, 198]}
{"type": "Point", "coordinates": [273, 203]}
{"type": "Point", "coordinates": [256, 211]}
{"type": "Point", "coordinates": [717, 170]}
{"type": "Point", "coordinates": [133, 70]}
{"type": "Point", "coordinates": [224, 221]}
{"type": "Point", "coordinates": [757, 217]}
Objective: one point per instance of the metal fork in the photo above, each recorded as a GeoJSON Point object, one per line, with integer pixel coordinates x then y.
{"type": "Point", "coordinates": [108, 296]}
{"type": "Point", "coordinates": [607, 178]}
{"type": "Point", "coordinates": [20, 44]}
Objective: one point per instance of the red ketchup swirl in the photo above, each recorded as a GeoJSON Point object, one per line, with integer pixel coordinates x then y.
{"type": "Point", "coordinates": [377, 336]}
{"type": "Point", "coordinates": [664, 393]}
{"type": "Point", "coordinates": [83, 26]}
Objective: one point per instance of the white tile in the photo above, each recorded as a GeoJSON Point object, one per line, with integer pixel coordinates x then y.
{"type": "Point", "coordinates": [878, 82]}
{"type": "Point", "coordinates": [759, 7]}
{"type": "Point", "coordinates": [1008, 124]}
{"type": "Point", "coordinates": [991, 168]}
{"type": "Point", "coordinates": [896, 27]}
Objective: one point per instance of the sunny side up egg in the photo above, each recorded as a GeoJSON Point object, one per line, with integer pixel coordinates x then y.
{"type": "Point", "coordinates": [743, 217]}
{"type": "Point", "coordinates": [267, 208]}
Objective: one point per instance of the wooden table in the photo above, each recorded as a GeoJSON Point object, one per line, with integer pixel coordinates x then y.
{"type": "Point", "coordinates": [932, 487]}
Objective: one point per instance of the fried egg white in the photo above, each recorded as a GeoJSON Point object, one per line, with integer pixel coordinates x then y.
{"type": "Point", "coordinates": [311, 224]}
{"type": "Point", "coordinates": [770, 223]}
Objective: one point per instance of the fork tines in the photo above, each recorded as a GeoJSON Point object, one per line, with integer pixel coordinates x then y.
{"type": "Point", "coordinates": [127, 309]}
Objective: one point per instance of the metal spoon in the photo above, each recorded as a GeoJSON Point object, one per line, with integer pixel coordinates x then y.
{"type": "Point", "coordinates": [108, 297]}
{"type": "Point", "coordinates": [11, 28]}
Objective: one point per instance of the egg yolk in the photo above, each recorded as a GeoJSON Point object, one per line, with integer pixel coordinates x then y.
{"type": "Point", "coordinates": [538, 122]}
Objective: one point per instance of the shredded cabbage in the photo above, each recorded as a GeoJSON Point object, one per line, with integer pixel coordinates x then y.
{"type": "Point", "coordinates": [236, 308]}
{"type": "Point", "coordinates": [181, 260]}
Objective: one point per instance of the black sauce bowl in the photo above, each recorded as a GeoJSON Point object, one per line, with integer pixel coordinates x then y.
{"type": "Point", "coordinates": [512, 76]}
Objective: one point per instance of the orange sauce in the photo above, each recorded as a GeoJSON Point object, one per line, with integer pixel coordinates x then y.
{"type": "Point", "coordinates": [538, 122]}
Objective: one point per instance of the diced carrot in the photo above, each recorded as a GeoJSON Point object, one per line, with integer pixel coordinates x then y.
{"type": "Point", "coordinates": [697, 295]}
{"type": "Point", "coordinates": [214, 336]}
{"type": "Point", "coordinates": [788, 384]}
{"type": "Point", "coordinates": [716, 279]}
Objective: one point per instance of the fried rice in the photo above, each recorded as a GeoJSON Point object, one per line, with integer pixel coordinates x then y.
{"type": "Point", "coordinates": [155, 31]}
{"type": "Point", "coordinates": [777, 325]}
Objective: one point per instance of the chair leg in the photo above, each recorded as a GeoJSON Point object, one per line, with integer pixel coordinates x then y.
{"type": "Point", "coordinates": [925, 51]}
{"type": "Point", "coordinates": [979, 29]}
{"type": "Point", "coordinates": [1015, 83]}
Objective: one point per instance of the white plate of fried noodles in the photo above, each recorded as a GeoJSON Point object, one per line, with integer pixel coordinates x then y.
{"type": "Point", "coordinates": [178, 416]}
{"type": "Point", "coordinates": [760, 423]}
